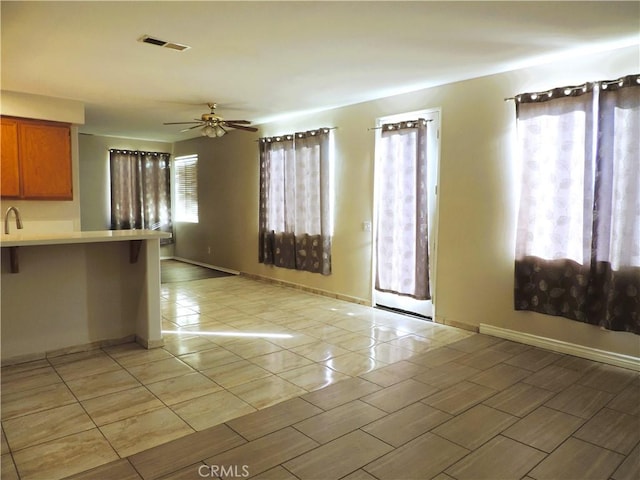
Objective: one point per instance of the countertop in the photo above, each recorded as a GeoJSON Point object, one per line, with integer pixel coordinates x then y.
{"type": "Point", "coordinates": [18, 239]}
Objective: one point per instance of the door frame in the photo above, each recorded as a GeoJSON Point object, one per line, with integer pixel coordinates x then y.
{"type": "Point", "coordinates": [433, 161]}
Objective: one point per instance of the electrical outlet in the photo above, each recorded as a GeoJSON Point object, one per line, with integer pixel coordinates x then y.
{"type": "Point", "coordinates": [366, 226]}
{"type": "Point", "coordinates": [209, 250]}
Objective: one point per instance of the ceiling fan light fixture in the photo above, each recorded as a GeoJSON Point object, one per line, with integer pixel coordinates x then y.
{"type": "Point", "coordinates": [219, 131]}
{"type": "Point", "coordinates": [208, 131]}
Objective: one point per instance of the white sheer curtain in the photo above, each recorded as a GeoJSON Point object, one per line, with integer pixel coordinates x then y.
{"type": "Point", "coordinates": [402, 257]}
{"type": "Point", "coordinates": [578, 234]}
{"type": "Point", "coordinates": [556, 146]}
{"type": "Point", "coordinates": [280, 157]}
{"type": "Point", "coordinates": [295, 201]}
{"type": "Point", "coordinates": [618, 178]}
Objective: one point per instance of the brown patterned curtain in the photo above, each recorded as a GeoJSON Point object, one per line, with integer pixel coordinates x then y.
{"type": "Point", "coordinates": [402, 246]}
{"type": "Point", "coordinates": [295, 201]}
{"type": "Point", "coordinates": [578, 236]}
{"type": "Point", "coordinates": [140, 191]}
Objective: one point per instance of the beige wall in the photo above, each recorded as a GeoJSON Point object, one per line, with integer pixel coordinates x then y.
{"type": "Point", "coordinates": [42, 108]}
{"type": "Point", "coordinates": [51, 214]}
{"type": "Point", "coordinates": [228, 224]}
{"type": "Point", "coordinates": [477, 198]}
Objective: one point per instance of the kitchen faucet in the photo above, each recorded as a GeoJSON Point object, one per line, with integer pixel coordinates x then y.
{"type": "Point", "coordinates": [6, 219]}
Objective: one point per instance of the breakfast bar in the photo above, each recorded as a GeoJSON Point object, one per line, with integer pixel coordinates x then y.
{"type": "Point", "coordinates": [74, 291]}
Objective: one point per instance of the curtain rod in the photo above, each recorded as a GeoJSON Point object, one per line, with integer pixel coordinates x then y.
{"type": "Point", "coordinates": [378, 128]}
{"type": "Point", "coordinates": [296, 133]}
{"type": "Point", "coordinates": [126, 150]}
{"type": "Point", "coordinates": [566, 90]}
{"type": "Point", "coordinates": [585, 86]}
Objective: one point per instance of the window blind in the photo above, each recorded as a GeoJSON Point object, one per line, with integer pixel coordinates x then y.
{"type": "Point", "coordinates": [186, 188]}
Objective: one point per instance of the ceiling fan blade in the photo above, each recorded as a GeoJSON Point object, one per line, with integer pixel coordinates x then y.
{"type": "Point", "coordinates": [190, 128]}
{"type": "Point", "coordinates": [180, 123]}
{"type": "Point", "coordinates": [241, 127]}
{"type": "Point", "coordinates": [242, 122]}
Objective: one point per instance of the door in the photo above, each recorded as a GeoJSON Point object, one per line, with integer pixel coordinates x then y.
{"type": "Point", "coordinates": [406, 174]}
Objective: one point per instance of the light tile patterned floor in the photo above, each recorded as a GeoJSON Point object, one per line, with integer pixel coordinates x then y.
{"type": "Point", "coordinates": [262, 380]}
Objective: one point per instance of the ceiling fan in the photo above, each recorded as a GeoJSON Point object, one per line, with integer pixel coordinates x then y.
{"type": "Point", "coordinates": [213, 125]}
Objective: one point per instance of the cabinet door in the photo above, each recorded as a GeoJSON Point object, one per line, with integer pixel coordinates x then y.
{"type": "Point", "coordinates": [9, 166]}
{"type": "Point", "coordinates": [45, 160]}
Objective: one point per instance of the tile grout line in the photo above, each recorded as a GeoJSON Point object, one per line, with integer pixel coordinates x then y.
{"type": "Point", "coordinates": [289, 349]}
{"type": "Point", "coordinates": [87, 413]}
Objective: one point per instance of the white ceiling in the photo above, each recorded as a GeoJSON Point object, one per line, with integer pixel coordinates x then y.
{"type": "Point", "coordinates": [263, 60]}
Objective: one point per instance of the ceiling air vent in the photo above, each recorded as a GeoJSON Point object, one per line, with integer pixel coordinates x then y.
{"type": "Point", "coordinates": [176, 46]}
{"type": "Point", "coordinates": [162, 43]}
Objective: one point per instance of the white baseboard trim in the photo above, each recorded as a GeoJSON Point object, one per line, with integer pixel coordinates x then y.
{"type": "Point", "coordinates": [201, 264]}
{"type": "Point", "coordinates": [611, 358]}
{"type": "Point", "coordinates": [315, 291]}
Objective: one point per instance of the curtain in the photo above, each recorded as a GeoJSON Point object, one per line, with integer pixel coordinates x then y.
{"type": "Point", "coordinates": [295, 201]}
{"type": "Point", "coordinates": [402, 247]}
{"type": "Point", "coordinates": [578, 235]}
{"type": "Point", "coordinates": [140, 191]}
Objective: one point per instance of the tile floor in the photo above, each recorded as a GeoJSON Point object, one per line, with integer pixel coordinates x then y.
{"type": "Point", "coordinates": [264, 381]}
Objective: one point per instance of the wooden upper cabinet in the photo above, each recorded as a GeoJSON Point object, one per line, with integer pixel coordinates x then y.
{"type": "Point", "coordinates": [45, 160]}
{"type": "Point", "coordinates": [9, 166]}
{"type": "Point", "coordinates": [43, 153]}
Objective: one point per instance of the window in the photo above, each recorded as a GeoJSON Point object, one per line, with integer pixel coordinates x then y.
{"type": "Point", "coordinates": [295, 201]}
{"type": "Point", "coordinates": [186, 187]}
{"type": "Point", "coordinates": [578, 235]}
{"type": "Point", "coordinates": [140, 191]}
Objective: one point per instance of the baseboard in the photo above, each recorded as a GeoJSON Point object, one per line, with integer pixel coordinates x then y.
{"type": "Point", "coordinates": [316, 291]}
{"type": "Point", "coordinates": [149, 344]}
{"type": "Point", "coordinates": [201, 264]}
{"type": "Point", "coordinates": [611, 358]}
{"type": "Point", "coordinates": [453, 323]}
{"type": "Point", "coordinates": [86, 347]}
